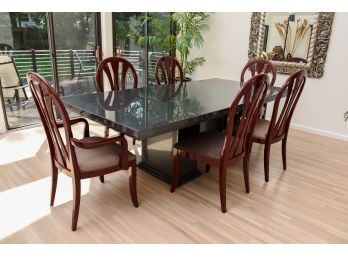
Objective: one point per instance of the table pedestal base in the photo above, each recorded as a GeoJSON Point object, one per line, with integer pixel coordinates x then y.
{"type": "Point", "coordinates": [157, 156]}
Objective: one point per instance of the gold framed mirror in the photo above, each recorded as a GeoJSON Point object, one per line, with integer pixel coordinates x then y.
{"type": "Point", "coordinates": [292, 41]}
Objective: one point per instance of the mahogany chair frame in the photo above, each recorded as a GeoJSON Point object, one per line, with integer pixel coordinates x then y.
{"type": "Point", "coordinates": [63, 152]}
{"type": "Point", "coordinates": [236, 145]}
{"type": "Point", "coordinates": [257, 67]}
{"type": "Point", "coordinates": [168, 65]}
{"type": "Point", "coordinates": [279, 125]}
{"type": "Point", "coordinates": [111, 66]}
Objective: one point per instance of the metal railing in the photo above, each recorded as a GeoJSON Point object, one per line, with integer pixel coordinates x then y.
{"type": "Point", "coordinates": [72, 63]}
{"type": "Point", "coordinates": [69, 65]}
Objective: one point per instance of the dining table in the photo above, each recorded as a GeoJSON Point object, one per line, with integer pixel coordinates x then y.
{"type": "Point", "coordinates": [160, 116]}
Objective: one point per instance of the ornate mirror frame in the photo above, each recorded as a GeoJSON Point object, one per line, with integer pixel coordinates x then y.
{"type": "Point", "coordinates": [318, 45]}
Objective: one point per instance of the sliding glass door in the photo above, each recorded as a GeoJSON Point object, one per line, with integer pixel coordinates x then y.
{"type": "Point", "coordinates": [23, 47]}
{"type": "Point", "coordinates": [129, 30]}
{"type": "Point", "coordinates": [27, 43]}
{"type": "Point", "coordinates": [75, 41]}
{"type": "Point", "coordinates": [142, 38]}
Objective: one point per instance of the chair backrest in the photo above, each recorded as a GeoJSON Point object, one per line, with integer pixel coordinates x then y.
{"type": "Point", "coordinates": [9, 77]}
{"type": "Point", "coordinates": [119, 71]}
{"type": "Point", "coordinates": [46, 99]}
{"type": "Point", "coordinates": [252, 96]}
{"type": "Point", "coordinates": [257, 67]}
{"type": "Point", "coordinates": [293, 88]}
{"type": "Point", "coordinates": [167, 66]}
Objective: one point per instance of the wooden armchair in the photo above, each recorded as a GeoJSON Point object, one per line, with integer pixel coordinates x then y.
{"type": "Point", "coordinates": [78, 158]}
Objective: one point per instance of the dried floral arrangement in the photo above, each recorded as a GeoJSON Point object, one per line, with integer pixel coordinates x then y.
{"type": "Point", "coordinates": [293, 43]}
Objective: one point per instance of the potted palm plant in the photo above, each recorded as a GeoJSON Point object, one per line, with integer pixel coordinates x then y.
{"type": "Point", "coordinates": [190, 28]}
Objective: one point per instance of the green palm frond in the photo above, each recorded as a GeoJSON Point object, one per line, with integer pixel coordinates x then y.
{"type": "Point", "coordinates": [193, 64]}
{"type": "Point", "coordinates": [160, 39]}
{"type": "Point", "coordinates": [191, 27]}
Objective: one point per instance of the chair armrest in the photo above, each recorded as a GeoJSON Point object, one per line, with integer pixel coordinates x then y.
{"type": "Point", "coordinates": [105, 141]}
{"type": "Point", "coordinates": [75, 121]}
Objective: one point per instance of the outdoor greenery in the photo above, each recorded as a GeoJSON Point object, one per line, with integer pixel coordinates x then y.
{"type": "Point", "coordinates": [74, 30]}
{"type": "Point", "coordinates": [160, 37]}
{"type": "Point", "coordinates": [175, 34]}
{"type": "Point", "coordinates": [127, 29]}
{"type": "Point", "coordinates": [346, 116]}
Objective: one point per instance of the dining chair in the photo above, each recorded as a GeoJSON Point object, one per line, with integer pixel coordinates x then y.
{"type": "Point", "coordinates": [13, 90]}
{"type": "Point", "coordinates": [120, 73]}
{"type": "Point", "coordinates": [168, 71]}
{"type": "Point", "coordinates": [223, 149]}
{"type": "Point", "coordinates": [78, 158]}
{"type": "Point", "coordinates": [268, 132]}
{"type": "Point", "coordinates": [256, 67]}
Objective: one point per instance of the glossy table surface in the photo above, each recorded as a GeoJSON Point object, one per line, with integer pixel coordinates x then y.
{"type": "Point", "coordinates": [154, 110]}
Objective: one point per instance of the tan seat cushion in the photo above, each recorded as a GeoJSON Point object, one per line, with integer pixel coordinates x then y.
{"type": "Point", "coordinates": [261, 128]}
{"type": "Point", "coordinates": [99, 158]}
{"type": "Point", "coordinates": [207, 144]}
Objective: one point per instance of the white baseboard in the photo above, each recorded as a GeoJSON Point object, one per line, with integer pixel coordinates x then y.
{"type": "Point", "coordinates": [320, 132]}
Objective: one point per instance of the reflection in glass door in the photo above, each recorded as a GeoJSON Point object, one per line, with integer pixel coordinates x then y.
{"type": "Point", "coordinates": [161, 40]}
{"type": "Point", "coordinates": [23, 47]}
{"type": "Point", "coordinates": [76, 41]}
{"type": "Point", "coordinates": [143, 38]}
{"type": "Point", "coordinates": [129, 34]}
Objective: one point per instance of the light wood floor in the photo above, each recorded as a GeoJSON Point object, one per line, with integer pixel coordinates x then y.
{"type": "Point", "coordinates": [308, 203]}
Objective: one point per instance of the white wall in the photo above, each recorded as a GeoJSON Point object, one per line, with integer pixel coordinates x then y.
{"type": "Point", "coordinates": [323, 102]}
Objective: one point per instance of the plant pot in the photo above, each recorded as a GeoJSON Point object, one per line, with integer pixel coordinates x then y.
{"type": "Point", "coordinates": [186, 79]}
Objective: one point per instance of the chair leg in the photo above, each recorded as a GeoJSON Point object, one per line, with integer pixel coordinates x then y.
{"type": "Point", "coordinates": [101, 178]}
{"type": "Point", "coordinates": [246, 173]}
{"type": "Point", "coordinates": [222, 186]}
{"type": "Point", "coordinates": [76, 202]}
{"type": "Point", "coordinates": [284, 151]}
{"type": "Point", "coordinates": [54, 183]}
{"type": "Point", "coordinates": [266, 160]}
{"type": "Point", "coordinates": [175, 173]}
{"type": "Point", "coordinates": [133, 185]}
{"type": "Point", "coordinates": [250, 148]}
{"type": "Point", "coordinates": [207, 168]}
